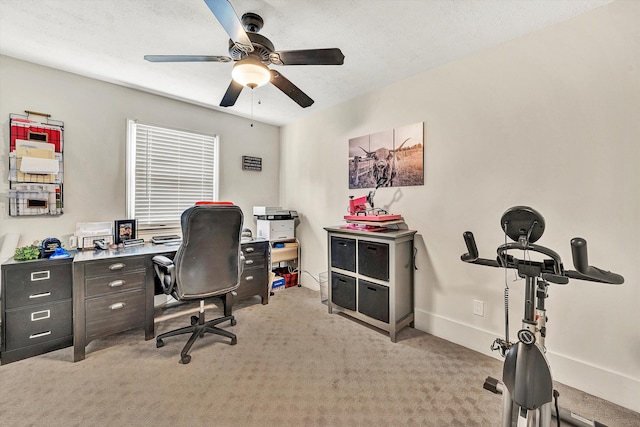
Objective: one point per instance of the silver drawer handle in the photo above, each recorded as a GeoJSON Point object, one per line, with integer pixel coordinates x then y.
{"type": "Point", "coordinates": [248, 261]}
{"type": "Point", "coordinates": [118, 266]}
{"type": "Point", "coordinates": [117, 306]}
{"type": "Point", "coordinates": [116, 283]}
{"type": "Point", "coordinates": [249, 249]}
{"type": "Point", "coordinates": [40, 315]}
{"type": "Point", "coordinates": [40, 295]}
{"type": "Point", "coordinates": [41, 334]}
{"type": "Point", "coordinates": [40, 275]}
{"type": "Point", "coordinates": [248, 278]}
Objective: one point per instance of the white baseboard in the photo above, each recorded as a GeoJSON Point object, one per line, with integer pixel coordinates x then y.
{"type": "Point", "coordinates": [612, 386]}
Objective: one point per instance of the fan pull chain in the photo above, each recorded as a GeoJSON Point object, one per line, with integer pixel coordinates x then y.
{"type": "Point", "coordinates": [252, 107]}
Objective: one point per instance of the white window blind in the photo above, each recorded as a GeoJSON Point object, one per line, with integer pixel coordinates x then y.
{"type": "Point", "coordinates": [168, 170]}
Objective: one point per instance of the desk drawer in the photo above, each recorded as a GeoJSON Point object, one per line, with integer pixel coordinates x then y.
{"type": "Point", "coordinates": [250, 275]}
{"type": "Point", "coordinates": [114, 283]}
{"type": "Point", "coordinates": [114, 313]}
{"type": "Point", "coordinates": [255, 263]}
{"type": "Point", "coordinates": [40, 285]}
{"type": "Point", "coordinates": [114, 266]}
{"type": "Point", "coordinates": [255, 250]}
{"type": "Point", "coordinates": [250, 248]}
{"type": "Point", "coordinates": [38, 324]}
{"type": "Point", "coordinates": [254, 260]}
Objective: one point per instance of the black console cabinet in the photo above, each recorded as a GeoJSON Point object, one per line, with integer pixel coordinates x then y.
{"type": "Point", "coordinates": [36, 308]}
{"type": "Point", "coordinates": [371, 276]}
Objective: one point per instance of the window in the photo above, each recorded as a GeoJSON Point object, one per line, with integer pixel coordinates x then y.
{"type": "Point", "coordinates": [168, 170]}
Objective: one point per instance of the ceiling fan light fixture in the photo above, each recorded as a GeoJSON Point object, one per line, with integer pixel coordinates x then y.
{"type": "Point", "coordinates": [251, 73]}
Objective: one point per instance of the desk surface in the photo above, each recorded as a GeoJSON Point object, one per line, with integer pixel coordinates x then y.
{"type": "Point", "coordinates": [146, 249]}
{"type": "Point", "coordinates": [99, 254]}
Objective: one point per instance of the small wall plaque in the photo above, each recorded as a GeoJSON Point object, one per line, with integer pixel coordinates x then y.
{"type": "Point", "coordinates": [250, 163]}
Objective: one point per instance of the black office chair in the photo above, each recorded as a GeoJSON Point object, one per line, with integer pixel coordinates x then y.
{"type": "Point", "coordinates": [208, 263]}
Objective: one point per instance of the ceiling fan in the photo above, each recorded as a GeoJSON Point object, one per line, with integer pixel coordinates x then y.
{"type": "Point", "coordinates": [252, 53]}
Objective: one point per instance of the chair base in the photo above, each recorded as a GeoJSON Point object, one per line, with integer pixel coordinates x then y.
{"type": "Point", "coordinates": [197, 330]}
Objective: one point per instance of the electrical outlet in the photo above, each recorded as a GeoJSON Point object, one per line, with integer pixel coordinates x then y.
{"type": "Point", "coordinates": [478, 308]}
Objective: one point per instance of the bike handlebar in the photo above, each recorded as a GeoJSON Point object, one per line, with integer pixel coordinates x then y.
{"type": "Point", "coordinates": [587, 272]}
{"type": "Point", "coordinates": [578, 250]}
{"type": "Point", "coordinates": [472, 249]}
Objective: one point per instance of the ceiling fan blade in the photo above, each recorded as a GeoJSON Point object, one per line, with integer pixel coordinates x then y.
{"type": "Point", "coordinates": [227, 17]}
{"type": "Point", "coordinates": [291, 90]}
{"type": "Point", "coordinates": [232, 94]}
{"type": "Point", "coordinates": [332, 56]}
{"type": "Point", "coordinates": [186, 58]}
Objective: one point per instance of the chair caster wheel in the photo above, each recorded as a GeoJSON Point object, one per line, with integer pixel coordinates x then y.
{"type": "Point", "coordinates": [185, 359]}
{"type": "Point", "coordinates": [234, 341]}
{"type": "Point", "coordinates": [159, 343]}
{"type": "Point", "coordinates": [194, 320]}
{"type": "Point", "coordinates": [233, 322]}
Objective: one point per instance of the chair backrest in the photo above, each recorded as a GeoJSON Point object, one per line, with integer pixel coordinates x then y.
{"type": "Point", "coordinates": [208, 260]}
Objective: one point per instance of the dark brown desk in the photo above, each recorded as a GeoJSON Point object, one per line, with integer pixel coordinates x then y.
{"type": "Point", "coordinates": [113, 290]}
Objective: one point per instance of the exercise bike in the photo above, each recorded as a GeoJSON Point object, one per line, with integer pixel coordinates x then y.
{"type": "Point", "coordinates": [527, 386]}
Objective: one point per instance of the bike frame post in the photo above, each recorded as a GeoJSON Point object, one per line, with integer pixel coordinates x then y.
{"type": "Point", "coordinates": [507, 407]}
{"type": "Point", "coordinates": [534, 321]}
{"type": "Point", "coordinates": [529, 321]}
{"type": "Point", "coordinates": [541, 315]}
{"type": "Point", "coordinates": [545, 415]}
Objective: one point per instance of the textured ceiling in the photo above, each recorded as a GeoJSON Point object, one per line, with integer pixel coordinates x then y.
{"type": "Point", "coordinates": [383, 41]}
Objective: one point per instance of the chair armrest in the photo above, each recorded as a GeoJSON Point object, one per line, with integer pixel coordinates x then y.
{"type": "Point", "coordinates": [165, 269]}
{"type": "Point", "coordinates": [162, 260]}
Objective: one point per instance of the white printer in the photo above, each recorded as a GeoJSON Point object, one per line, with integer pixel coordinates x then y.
{"type": "Point", "coordinates": [274, 223]}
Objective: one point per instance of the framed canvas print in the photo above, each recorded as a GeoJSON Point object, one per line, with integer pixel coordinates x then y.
{"type": "Point", "coordinates": [391, 158]}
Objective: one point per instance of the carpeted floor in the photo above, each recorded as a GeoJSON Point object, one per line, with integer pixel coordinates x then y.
{"type": "Point", "coordinates": [294, 365]}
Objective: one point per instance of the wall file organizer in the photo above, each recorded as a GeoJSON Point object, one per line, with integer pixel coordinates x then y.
{"type": "Point", "coordinates": [36, 166]}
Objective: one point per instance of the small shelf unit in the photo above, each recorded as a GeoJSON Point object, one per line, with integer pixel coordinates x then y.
{"type": "Point", "coordinates": [371, 276]}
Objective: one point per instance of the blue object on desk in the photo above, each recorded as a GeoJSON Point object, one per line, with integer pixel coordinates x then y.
{"type": "Point", "coordinates": [60, 253]}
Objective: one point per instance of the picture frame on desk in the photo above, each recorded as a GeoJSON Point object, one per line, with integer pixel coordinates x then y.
{"type": "Point", "coordinates": [125, 229]}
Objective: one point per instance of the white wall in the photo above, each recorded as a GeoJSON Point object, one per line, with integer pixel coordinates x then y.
{"type": "Point", "coordinates": [94, 115]}
{"type": "Point", "coordinates": [551, 120]}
